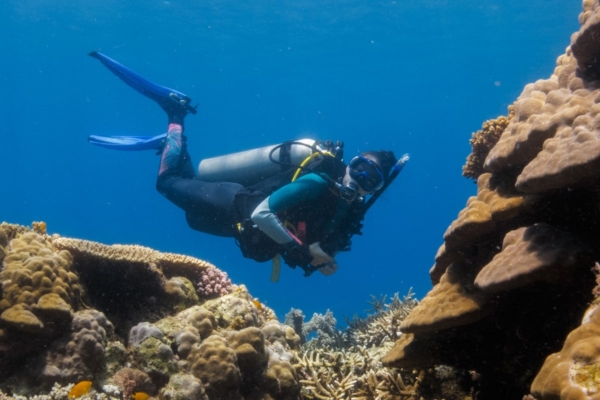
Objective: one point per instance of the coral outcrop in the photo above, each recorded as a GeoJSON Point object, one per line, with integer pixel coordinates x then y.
{"type": "Point", "coordinates": [515, 274]}
{"type": "Point", "coordinates": [134, 320]}
{"type": "Point", "coordinates": [198, 347]}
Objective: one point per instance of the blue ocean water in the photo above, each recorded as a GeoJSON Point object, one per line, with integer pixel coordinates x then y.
{"type": "Point", "coordinates": [409, 76]}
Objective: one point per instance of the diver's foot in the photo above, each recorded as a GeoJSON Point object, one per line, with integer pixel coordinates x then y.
{"type": "Point", "coordinates": [176, 107]}
{"type": "Point", "coordinates": [176, 104]}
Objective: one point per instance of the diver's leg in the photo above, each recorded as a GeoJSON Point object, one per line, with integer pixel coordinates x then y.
{"type": "Point", "coordinates": [175, 158]}
{"type": "Point", "coordinates": [208, 205]}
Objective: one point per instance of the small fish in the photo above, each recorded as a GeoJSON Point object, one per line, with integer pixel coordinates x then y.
{"type": "Point", "coordinates": [80, 389]}
{"type": "Point", "coordinates": [140, 396]}
{"type": "Point", "coordinates": [257, 304]}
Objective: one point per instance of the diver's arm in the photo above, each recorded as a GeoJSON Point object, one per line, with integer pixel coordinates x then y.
{"type": "Point", "coordinates": [264, 215]}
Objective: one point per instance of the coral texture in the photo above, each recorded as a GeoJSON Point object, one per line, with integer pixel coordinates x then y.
{"type": "Point", "coordinates": [515, 273]}
{"type": "Point", "coordinates": [38, 285]}
{"type": "Point", "coordinates": [572, 373]}
{"type": "Point", "coordinates": [483, 141]}
{"type": "Point", "coordinates": [213, 283]}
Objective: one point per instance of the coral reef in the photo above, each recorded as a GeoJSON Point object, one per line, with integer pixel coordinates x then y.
{"type": "Point", "coordinates": [482, 142]}
{"type": "Point", "coordinates": [515, 274]}
{"type": "Point", "coordinates": [513, 311]}
{"type": "Point", "coordinates": [228, 347]}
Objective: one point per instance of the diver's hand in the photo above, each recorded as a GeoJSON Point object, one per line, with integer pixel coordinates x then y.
{"type": "Point", "coordinates": [319, 256]}
{"type": "Point", "coordinates": [326, 263]}
{"type": "Point", "coordinates": [329, 268]}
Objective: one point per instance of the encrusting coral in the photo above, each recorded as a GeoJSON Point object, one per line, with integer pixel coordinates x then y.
{"type": "Point", "coordinates": [515, 273]}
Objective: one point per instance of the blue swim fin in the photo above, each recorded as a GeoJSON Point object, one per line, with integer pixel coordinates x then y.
{"type": "Point", "coordinates": [129, 143]}
{"type": "Point", "coordinates": [165, 97]}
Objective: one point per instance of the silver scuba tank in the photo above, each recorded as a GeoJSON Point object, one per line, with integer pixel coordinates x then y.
{"type": "Point", "coordinates": [252, 166]}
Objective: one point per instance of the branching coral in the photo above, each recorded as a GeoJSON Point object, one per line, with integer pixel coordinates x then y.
{"type": "Point", "coordinates": [213, 283]}
{"type": "Point", "coordinates": [482, 142]}
{"type": "Point", "coordinates": [354, 371]}
{"type": "Point", "coordinates": [382, 328]}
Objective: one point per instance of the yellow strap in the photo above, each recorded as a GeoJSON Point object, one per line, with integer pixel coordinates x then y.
{"type": "Point", "coordinates": [275, 268]}
{"type": "Point", "coordinates": [309, 159]}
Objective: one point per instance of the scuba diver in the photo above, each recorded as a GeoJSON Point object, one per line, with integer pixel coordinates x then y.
{"type": "Point", "coordinates": [297, 200]}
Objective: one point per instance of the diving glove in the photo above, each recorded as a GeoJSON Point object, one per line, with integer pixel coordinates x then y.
{"type": "Point", "coordinates": [296, 255]}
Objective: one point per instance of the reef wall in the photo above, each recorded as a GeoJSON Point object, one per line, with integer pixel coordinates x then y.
{"type": "Point", "coordinates": [515, 282]}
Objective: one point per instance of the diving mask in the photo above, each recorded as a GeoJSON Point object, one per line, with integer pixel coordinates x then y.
{"type": "Point", "coordinates": [366, 173]}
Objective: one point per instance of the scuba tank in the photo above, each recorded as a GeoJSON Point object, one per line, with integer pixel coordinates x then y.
{"type": "Point", "coordinates": [252, 166]}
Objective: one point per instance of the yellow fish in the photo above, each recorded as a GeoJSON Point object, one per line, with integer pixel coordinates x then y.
{"type": "Point", "coordinates": [257, 304]}
{"type": "Point", "coordinates": [140, 396]}
{"type": "Point", "coordinates": [80, 389]}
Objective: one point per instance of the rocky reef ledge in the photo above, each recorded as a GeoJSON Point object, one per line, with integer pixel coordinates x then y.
{"type": "Point", "coordinates": [123, 320]}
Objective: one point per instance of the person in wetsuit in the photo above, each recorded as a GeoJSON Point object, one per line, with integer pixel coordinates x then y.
{"type": "Point", "coordinates": [307, 221]}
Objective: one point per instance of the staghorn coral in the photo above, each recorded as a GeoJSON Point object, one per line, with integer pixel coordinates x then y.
{"type": "Point", "coordinates": [382, 329]}
{"type": "Point", "coordinates": [324, 326]}
{"type": "Point", "coordinates": [483, 141]}
{"type": "Point", "coordinates": [352, 374]}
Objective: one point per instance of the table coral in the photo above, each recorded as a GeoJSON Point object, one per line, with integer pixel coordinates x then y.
{"type": "Point", "coordinates": [132, 283]}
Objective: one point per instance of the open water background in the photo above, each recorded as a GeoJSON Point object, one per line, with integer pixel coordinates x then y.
{"type": "Point", "coordinates": [409, 76]}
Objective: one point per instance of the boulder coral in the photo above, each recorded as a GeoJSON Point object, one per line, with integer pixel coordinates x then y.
{"type": "Point", "coordinates": [38, 285]}
{"type": "Point", "coordinates": [515, 274]}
